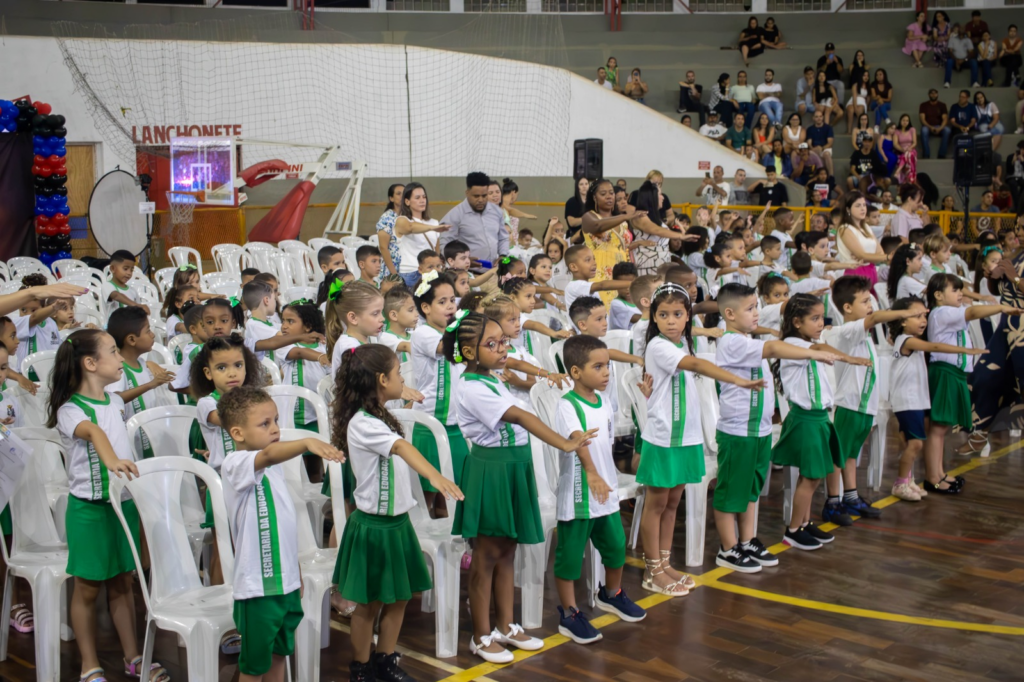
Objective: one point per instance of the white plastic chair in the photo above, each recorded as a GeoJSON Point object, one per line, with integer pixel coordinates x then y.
{"type": "Point", "coordinates": [183, 255]}
{"type": "Point", "coordinates": [541, 344]}
{"type": "Point", "coordinates": [317, 243]}
{"type": "Point", "coordinates": [555, 356]}
{"type": "Point", "coordinates": [882, 293]}
{"type": "Point", "coordinates": [20, 266]}
{"type": "Point", "coordinates": [325, 389]}
{"type": "Point", "coordinates": [33, 407]}
{"type": "Point", "coordinates": [164, 279]}
{"type": "Point", "coordinates": [697, 494]}
{"type": "Point", "coordinates": [177, 345]}
{"type": "Point", "coordinates": [272, 369]}
{"type": "Point", "coordinates": [296, 293]}
{"type": "Point", "coordinates": [87, 315]}
{"type": "Point", "coordinates": [39, 557]}
{"type": "Point", "coordinates": [225, 257]}
{"type": "Point", "coordinates": [42, 362]}
{"type": "Point", "coordinates": [62, 266]}
{"type": "Point", "coordinates": [442, 550]}
{"type": "Point", "coordinates": [48, 450]}
{"type": "Point", "coordinates": [161, 355]}
{"type": "Point", "coordinates": [175, 598]}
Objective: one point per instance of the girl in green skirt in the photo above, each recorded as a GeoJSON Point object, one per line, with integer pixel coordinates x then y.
{"type": "Point", "coordinates": [947, 372]}
{"type": "Point", "coordinates": [91, 427]}
{"type": "Point", "coordinates": [500, 509]}
{"type": "Point", "coordinates": [808, 441]}
{"type": "Point", "coordinates": [380, 565]}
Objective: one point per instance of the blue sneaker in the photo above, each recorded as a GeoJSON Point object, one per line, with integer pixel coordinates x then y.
{"type": "Point", "coordinates": [836, 513]}
{"type": "Point", "coordinates": [576, 627]}
{"type": "Point", "coordinates": [861, 508]}
{"type": "Point", "coordinates": [619, 604]}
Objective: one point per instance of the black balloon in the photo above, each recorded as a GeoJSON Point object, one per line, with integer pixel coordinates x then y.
{"type": "Point", "coordinates": [60, 119]}
{"type": "Point", "coordinates": [58, 180]}
{"type": "Point", "coordinates": [43, 131]}
{"type": "Point", "coordinates": [59, 131]}
{"type": "Point", "coordinates": [47, 191]}
{"type": "Point", "coordinates": [53, 122]}
{"type": "Point", "coordinates": [45, 242]}
{"type": "Point", "coordinates": [63, 241]}
{"type": "Point", "coordinates": [39, 120]}
{"type": "Point", "coordinates": [60, 191]}
{"type": "Point", "coordinates": [22, 104]}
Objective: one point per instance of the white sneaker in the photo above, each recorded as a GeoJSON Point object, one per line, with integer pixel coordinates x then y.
{"type": "Point", "coordinates": [918, 489]}
{"type": "Point", "coordinates": [503, 656]}
{"type": "Point", "coordinates": [1019, 131]}
{"type": "Point", "coordinates": [975, 85]}
{"type": "Point", "coordinates": [528, 644]}
{"type": "Point", "coordinates": [905, 492]}
{"type": "Point", "coordinates": [946, 85]}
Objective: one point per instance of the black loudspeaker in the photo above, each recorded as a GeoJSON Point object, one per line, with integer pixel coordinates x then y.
{"type": "Point", "coordinates": [972, 162]}
{"type": "Point", "coordinates": [588, 159]}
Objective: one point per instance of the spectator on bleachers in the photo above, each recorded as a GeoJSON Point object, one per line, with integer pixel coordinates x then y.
{"type": "Point", "coordinates": [611, 72]}
{"type": "Point", "coordinates": [1009, 56]}
{"type": "Point", "coordinates": [602, 78]}
{"type": "Point", "coordinates": [779, 160]}
{"type": "Point", "coordinates": [976, 27]}
{"type": "Point", "coordinates": [714, 189]}
{"type": "Point", "coordinates": [987, 55]}
{"type": "Point", "coordinates": [762, 134]}
{"type": "Point", "coordinates": [739, 195]}
{"type": "Point", "coordinates": [904, 142]}
{"type": "Point", "coordinates": [792, 134]}
{"type": "Point", "coordinates": [987, 204]}
{"type": "Point", "coordinates": [636, 88]}
{"type": "Point", "coordinates": [720, 100]}
{"type": "Point", "coordinates": [940, 38]}
{"type": "Point", "coordinates": [961, 51]}
{"type": "Point", "coordinates": [861, 129]}
{"type": "Point", "coordinates": [770, 189]}
{"type": "Point", "coordinates": [820, 138]}
{"type": "Point", "coordinates": [988, 118]}
{"type": "Point", "coordinates": [866, 168]}
{"type": "Point", "coordinates": [689, 96]}
{"type": "Point", "coordinates": [881, 97]}
{"type": "Point", "coordinates": [858, 67]}
{"type": "Point", "coordinates": [826, 100]}
{"type": "Point", "coordinates": [737, 136]}
{"type": "Point", "coordinates": [1019, 110]}
{"type": "Point", "coordinates": [822, 189]}
{"type": "Point", "coordinates": [750, 41]}
{"type": "Point", "coordinates": [934, 118]}
{"type": "Point", "coordinates": [1015, 174]}
{"type": "Point", "coordinates": [770, 95]}
{"type": "Point", "coordinates": [713, 128]}
{"type": "Point", "coordinates": [916, 43]}
{"type": "Point", "coordinates": [771, 36]}
{"type": "Point", "coordinates": [832, 64]}
{"type": "Point", "coordinates": [885, 146]}
{"type": "Point", "coordinates": [963, 116]}
{"type": "Point", "coordinates": [805, 92]}
{"type": "Point", "coordinates": [686, 121]}
{"type": "Point", "coordinates": [805, 164]}
{"type": "Point", "coordinates": [745, 96]}
{"type": "Point", "coordinates": [860, 92]}
{"type": "Point", "coordinates": [907, 219]}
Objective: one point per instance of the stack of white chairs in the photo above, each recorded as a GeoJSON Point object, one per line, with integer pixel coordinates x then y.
{"type": "Point", "coordinates": [63, 266]}
{"type": "Point", "coordinates": [20, 266]}
{"type": "Point", "coordinates": [226, 258]}
{"type": "Point", "coordinates": [184, 255]}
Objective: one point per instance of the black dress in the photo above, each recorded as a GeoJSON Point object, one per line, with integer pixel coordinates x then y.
{"type": "Point", "coordinates": [573, 209]}
{"type": "Point", "coordinates": [770, 35]}
{"type": "Point", "coordinates": [751, 37]}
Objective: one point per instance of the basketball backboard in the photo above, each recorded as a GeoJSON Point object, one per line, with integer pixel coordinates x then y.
{"type": "Point", "coordinates": [206, 164]}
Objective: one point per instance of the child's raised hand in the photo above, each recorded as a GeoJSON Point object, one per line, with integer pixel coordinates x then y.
{"type": "Point", "coordinates": [58, 291]}
{"type": "Point", "coordinates": [976, 351]}
{"type": "Point", "coordinates": [126, 467]}
{"type": "Point", "coordinates": [714, 332]}
{"type": "Point", "coordinates": [646, 386]}
{"type": "Point", "coordinates": [862, 362]}
{"type": "Point", "coordinates": [446, 487]}
{"type": "Point", "coordinates": [7, 421]}
{"type": "Point", "coordinates": [160, 375]}
{"type": "Point", "coordinates": [205, 454]}
{"type": "Point", "coordinates": [1010, 310]}
{"type": "Point", "coordinates": [752, 384]}
{"type": "Point", "coordinates": [557, 379]}
{"type": "Point", "coordinates": [824, 356]}
{"type": "Point", "coordinates": [580, 440]}
{"type": "Point", "coordinates": [598, 487]}
{"type": "Point", "coordinates": [27, 384]}
{"type": "Point", "coordinates": [820, 292]}
{"type": "Point", "coordinates": [687, 237]}
{"type": "Point", "coordinates": [563, 334]}
{"type": "Point", "coordinates": [411, 394]}
{"type": "Point", "coordinates": [312, 337]}
{"type": "Point", "coordinates": [324, 450]}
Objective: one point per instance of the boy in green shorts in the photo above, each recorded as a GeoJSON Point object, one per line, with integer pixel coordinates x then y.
{"type": "Point", "coordinates": [267, 582]}
{"type": "Point", "coordinates": [744, 434]}
{"type": "Point", "coordinates": [588, 507]}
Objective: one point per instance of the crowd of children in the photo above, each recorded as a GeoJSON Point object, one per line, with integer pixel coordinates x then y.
{"type": "Point", "coordinates": [762, 318]}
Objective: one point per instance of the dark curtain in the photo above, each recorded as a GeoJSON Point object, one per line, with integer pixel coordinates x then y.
{"type": "Point", "coordinates": [17, 197]}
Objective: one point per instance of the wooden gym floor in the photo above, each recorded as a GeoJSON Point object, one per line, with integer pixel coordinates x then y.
{"type": "Point", "coordinates": [933, 591]}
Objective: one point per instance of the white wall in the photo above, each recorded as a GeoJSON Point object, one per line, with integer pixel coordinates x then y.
{"type": "Point", "coordinates": [467, 111]}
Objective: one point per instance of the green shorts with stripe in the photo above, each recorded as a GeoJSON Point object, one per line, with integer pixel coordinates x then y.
{"type": "Point", "coordinates": [605, 532]}
{"type": "Point", "coordinates": [267, 626]}
{"type": "Point", "coordinates": [743, 463]}
{"type": "Point", "coordinates": [853, 429]}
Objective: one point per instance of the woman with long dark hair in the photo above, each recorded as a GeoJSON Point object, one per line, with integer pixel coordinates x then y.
{"type": "Point", "coordinates": [387, 243]}
{"type": "Point", "coordinates": [575, 207]}
{"type": "Point", "coordinates": [650, 235]}
{"type": "Point", "coordinates": [855, 241]}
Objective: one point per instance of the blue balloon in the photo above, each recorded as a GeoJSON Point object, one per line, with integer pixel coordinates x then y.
{"type": "Point", "coordinates": [63, 254]}
{"type": "Point", "coordinates": [47, 258]}
{"type": "Point", "coordinates": [61, 149]}
{"type": "Point", "coordinates": [38, 140]}
{"type": "Point", "coordinates": [50, 211]}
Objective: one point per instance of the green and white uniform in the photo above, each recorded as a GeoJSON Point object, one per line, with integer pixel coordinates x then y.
{"type": "Point", "coordinates": [87, 476]}
{"type": "Point", "coordinates": [947, 372]}
{"type": "Point", "coordinates": [43, 336]}
{"type": "Point", "coordinates": [382, 480]}
{"type": "Point", "coordinates": [948, 324]}
{"type": "Point", "coordinates": [519, 353]}
{"type": "Point", "coordinates": [856, 386]}
{"type": "Point", "coordinates": [436, 378]}
{"type": "Point", "coordinates": [304, 373]}
{"type": "Point", "coordinates": [260, 330]}
{"type": "Point", "coordinates": [805, 381]}
{"type": "Point", "coordinates": [343, 343]}
{"type": "Point", "coordinates": [638, 340]}
{"type": "Point", "coordinates": [111, 287]}
{"type": "Point", "coordinates": [181, 376]}
{"type": "Point", "coordinates": [621, 314]}
{"type": "Point", "coordinates": [574, 498]}
{"type": "Point", "coordinates": [262, 520]}
{"type": "Point", "coordinates": [526, 339]}
{"type": "Point", "coordinates": [218, 442]}
{"type": "Point", "coordinates": [131, 378]}
{"type": "Point", "coordinates": [744, 413]}
{"type": "Point", "coordinates": [391, 339]}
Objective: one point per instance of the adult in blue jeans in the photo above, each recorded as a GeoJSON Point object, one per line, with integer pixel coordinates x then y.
{"type": "Point", "coordinates": [416, 231]}
{"type": "Point", "coordinates": [961, 51]}
{"type": "Point", "coordinates": [770, 95]}
{"type": "Point", "coordinates": [745, 97]}
{"type": "Point", "coordinates": [934, 121]}
{"type": "Point", "coordinates": [881, 97]}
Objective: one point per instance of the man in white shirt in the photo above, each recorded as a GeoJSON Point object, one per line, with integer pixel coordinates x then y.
{"type": "Point", "coordinates": [714, 189]}
{"type": "Point", "coordinates": [713, 128]}
{"type": "Point", "coordinates": [769, 94]}
{"type": "Point", "coordinates": [602, 80]}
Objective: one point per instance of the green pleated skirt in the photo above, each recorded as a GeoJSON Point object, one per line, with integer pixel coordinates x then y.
{"type": "Point", "coordinates": [379, 559]}
{"type": "Point", "coordinates": [668, 467]}
{"type": "Point", "coordinates": [98, 548]}
{"type": "Point", "coordinates": [424, 441]}
{"type": "Point", "coordinates": [951, 398]}
{"type": "Point", "coordinates": [808, 442]}
{"type": "Point", "coordinates": [501, 496]}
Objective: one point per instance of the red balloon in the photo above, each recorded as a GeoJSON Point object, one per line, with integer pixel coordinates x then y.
{"type": "Point", "coordinates": [45, 171]}
{"type": "Point", "coordinates": [66, 229]}
{"type": "Point", "coordinates": [38, 160]}
{"type": "Point", "coordinates": [44, 109]}
{"type": "Point", "coordinates": [37, 170]}
{"type": "Point", "coordinates": [50, 230]}
{"type": "Point", "coordinates": [60, 169]}
{"type": "Point", "coordinates": [54, 159]}
{"type": "Point", "coordinates": [40, 230]}
{"type": "Point", "coordinates": [42, 221]}
{"type": "Point", "coordinates": [59, 219]}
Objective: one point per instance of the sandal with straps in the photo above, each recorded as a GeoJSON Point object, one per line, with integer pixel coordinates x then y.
{"type": "Point", "coordinates": [22, 619]}
{"type": "Point", "coordinates": [654, 568]}
{"type": "Point", "coordinates": [977, 444]}
{"type": "Point", "coordinates": [687, 580]}
{"type": "Point", "coordinates": [85, 677]}
{"type": "Point", "coordinates": [157, 673]}
{"type": "Point", "coordinates": [231, 645]}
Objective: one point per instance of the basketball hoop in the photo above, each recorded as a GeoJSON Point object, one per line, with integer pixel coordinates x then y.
{"type": "Point", "coordinates": [182, 205]}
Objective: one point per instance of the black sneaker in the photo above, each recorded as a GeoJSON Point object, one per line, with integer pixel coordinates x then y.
{"type": "Point", "coordinates": [800, 539]}
{"type": "Point", "coordinates": [576, 627]}
{"type": "Point", "coordinates": [860, 507]}
{"type": "Point", "coordinates": [759, 553]}
{"type": "Point", "coordinates": [736, 559]}
{"type": "Point", "coordinates": [836, 513]}
{"type": "Point", "coordinates": [818, 534]}
{"type": "Point", "coordinates": [385, 667]}
{"type": "Point", "coordinates": [360, 672]}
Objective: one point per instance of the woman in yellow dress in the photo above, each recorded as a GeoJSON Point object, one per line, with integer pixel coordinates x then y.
{"type": "Point", "coordinates": [604, 232]}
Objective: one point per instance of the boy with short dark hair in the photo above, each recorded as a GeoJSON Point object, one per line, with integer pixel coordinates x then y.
{"type": "Point", "coordinates": [267, 581]}
{"type": "Point", "coordinates": [429, 261]}
{"type": "Point", "coordinates": [803, 281]}
{"type": "Point", "coordinates": [889, 246]}
{"type": "Point", "coordinates": [588, 506]}
{"type": "Point", "coordinates": [623, 314]}
{"type": "Point", "coordinates": [330, 258]}
{"type": "Point", "coordinates": [457, 257]}
{"type": "Point", "coordinates": [249, 274]}
{"type": "Point", "coordinates": [583, 267]}
{"type": "Point", "coordinates": [524, 249]}
{"type": "Point", "coordinates": [193, 321]}
{"type": "Point", "coordinates": [369, 261]}
{"type": "Point", "coordinates": [400, 318]}
{"type": "Point", "coordinates": [116, 289]}
{"type": "Point", "coordinates": [589, 315]}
